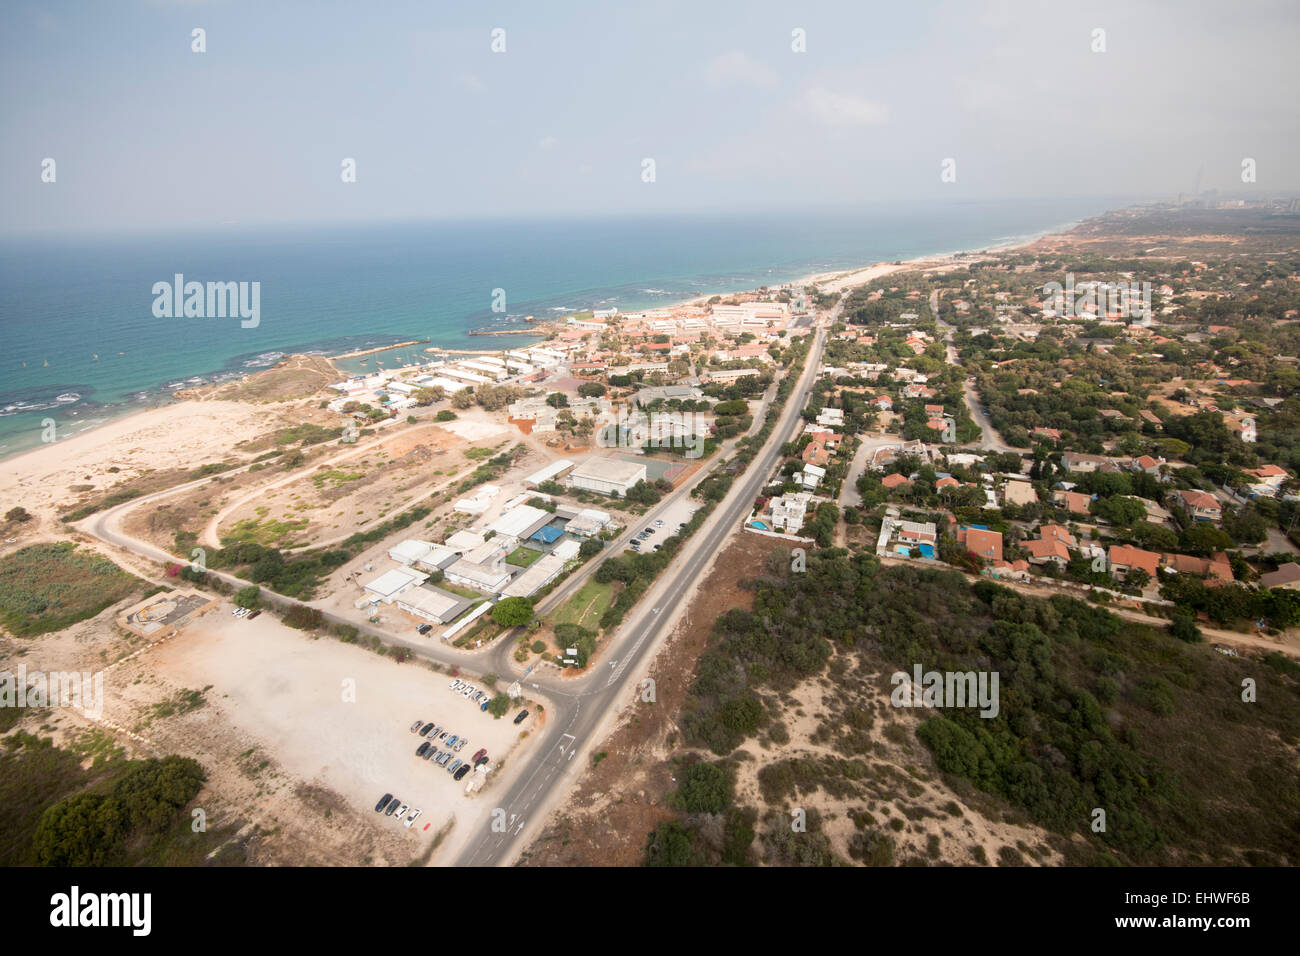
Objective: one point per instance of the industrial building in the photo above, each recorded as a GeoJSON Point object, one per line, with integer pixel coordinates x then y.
{"type": "Point", "coordinates": [609, 476]}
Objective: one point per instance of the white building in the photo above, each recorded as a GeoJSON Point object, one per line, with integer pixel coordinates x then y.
{"type": "Point", "coordinates": [389, 585]}
{"type": "Point", "coordinates": [609, 476]}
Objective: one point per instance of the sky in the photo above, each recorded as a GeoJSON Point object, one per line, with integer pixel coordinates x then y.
{"type": "Point", "coordinates": [147, 134]}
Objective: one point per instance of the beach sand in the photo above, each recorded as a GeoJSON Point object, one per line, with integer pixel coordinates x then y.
{"type": "Point", "coordinates": [181, 435]}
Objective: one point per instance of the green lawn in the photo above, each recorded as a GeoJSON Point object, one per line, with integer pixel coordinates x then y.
{"type": "Point", "coordinates": [586, 607]}
{"type": "Point", "coordinates": [522, 557]}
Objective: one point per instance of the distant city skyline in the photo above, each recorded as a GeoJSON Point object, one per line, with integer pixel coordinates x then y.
{"type": "Point", "coordinates": [739, 106]}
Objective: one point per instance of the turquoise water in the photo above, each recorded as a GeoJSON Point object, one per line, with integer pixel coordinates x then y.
{"type": "Point", "coordinates": [77, 317]}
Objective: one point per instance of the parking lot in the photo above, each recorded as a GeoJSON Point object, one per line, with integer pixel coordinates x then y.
{"type": "Point", "coordinates": [679, 512]}
{"type": "Point", "coordinates": [339, 716]}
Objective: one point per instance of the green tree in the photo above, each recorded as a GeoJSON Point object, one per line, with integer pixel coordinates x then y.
{"type": "Point", "coordinates": [498, 706]}
{"type": "Point", "coordinates": [249, 597]}
{"type": "Point", "coordinates": [513, 612]}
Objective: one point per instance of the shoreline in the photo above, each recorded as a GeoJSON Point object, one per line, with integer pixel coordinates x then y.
{"type": "Point", "coordinates": [833, 280]}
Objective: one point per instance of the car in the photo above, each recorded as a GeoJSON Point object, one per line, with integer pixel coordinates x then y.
{"type": "Point", "coordinates": [430, 753]}
{"type": "Point", "coordinates": [401, 811]}
{"type": "Point", "coordinates": [481, 760]}
{"type": "Point", "coordinates": [659, 524]}
{"type": "Point", "coordinates": [444, 759]}
{"type": "Point", "coordinates": [384, 801]}
{"type": "Point", "coordinates": [424, 629]}
{"type": "Point", "coordinates": [481, 752]}
{"type": "Point", "coordinates": [478, 695]}
{"type": "Point", "coordinates": [654, 549]}
{"type": "Point", "coordinates": [649, 530]}
{"type": "Point", "coordinates": [455, 765]}
{"type": "Point", "coordinates": [461, 772]}
{"type": "Point", "coordinates": [443, 735]}
{"type": "Point", "coordinates": [392, 806]}
{"type": "Point", "coordinates": [467, 691]}
{"type": "Point", "coordinates": [424, 731]}
{"type": "Point", "coordinates": [433, 734]}
{"type": "Point", "coordinates": [454, 684]}
{"type": "Point", "coordinates": [253, 615]}
{"type": "Point", "coordinates": [461, 743]}
{"type": "Point", "coordinates": [521, 717]}
{"type": "Point", "coordinates": [416, 726]}
{"type": "Point", "coordinates": [484, 705]}
{"type": "Point", "coordinates": [423, 749]}
{"type": "Point", "coordinates": [451, 741]}
{"type": "Point", "coordinates": [415, 815]}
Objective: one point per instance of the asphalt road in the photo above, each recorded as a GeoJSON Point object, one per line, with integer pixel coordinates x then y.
{"type": "Point", "coordinates": [573, 725]}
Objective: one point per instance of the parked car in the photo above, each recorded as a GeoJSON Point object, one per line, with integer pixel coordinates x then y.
{"type": "Point", "coordinates": [424, 628]}
{"type": "Point", "coordinates": [431, 752]}
{"type": "Point", "coordinates": [401, 811]}
{"type": "Point", "coordinates": [415, 815]}
{"type": "Point", "coordinates": [461, 743]}
{"type": "Point", "coordinates": [659, 524]}
{"type": "Point", "coordinates": [649, 530]}
{"type": "Point", "coordinates": [461, 772]}
{"type": "Point", "coordinates": [424, 731]}
{"type": "Point", "coordinates": [254, 614]}
{"type": "Point", "coordinates": [423, 749]}
{"type": "Point", "coordinates": [521, 717]}
{"type": "Point", "coordinates": [433, 734]}
{"type": "Point", "coordinates": [444, 759]}
{"type": "Point", "coordinates": [415, 727]}
{"type": "Point", "coordinates": [393, 805]}
{"type": "Point", "coordinates": [384, 801]}
{"type": "Point", "coordinates": [478, 695]}
{"type": "Point", "coordinates": [481, 760]}
{"type": "Point", "coordinates": [454, 685]}
{"type": "Point", "coordinates": [455, 765]}
{"type": "Point", "coordinates": [451, 741]}
{"type": "Point", "coordinates": [467, 691]}
{"type": "Point", "coordinates": [484, 705]}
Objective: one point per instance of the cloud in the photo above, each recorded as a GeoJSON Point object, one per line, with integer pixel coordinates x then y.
{"type": "Point", "coordinates": [843, 109]}
{"type": "Point", "coordinates": [737, 69]}
{"type": "Point", "coordinates": [547, 142]}
{"type": "Point", "coordinates": [470, 82]}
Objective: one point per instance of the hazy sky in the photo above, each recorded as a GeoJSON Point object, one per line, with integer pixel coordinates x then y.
{"type": "Point", "coordinates": [147, 133]}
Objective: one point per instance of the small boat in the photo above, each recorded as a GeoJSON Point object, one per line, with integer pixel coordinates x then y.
{"type": "Point", "coordinates": [67, 398]}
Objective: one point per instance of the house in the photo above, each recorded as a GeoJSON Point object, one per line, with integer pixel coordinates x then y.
{"type": "Point", "coordinates": [882, 403]}
{"type": "Point", "coordinates": [1019, 493]}
{"type": "Point", "coordinates": [810, 477]}
{"type": "Point", "coordinates": [1072, 501]}
{"type": "Point", "coordinates": [830, 416]}
{"type": "Point", "coordinates": [1124, 560]}
{"type": "Point", "coordinates": [981, 542]}
{"type": "Point", "coordinates": [1199, 504]}
{"type": "Point", "coordinates": [1287, 577]}
{"type": "Point", "coordinates": [787, 512]}
{"type": "Point", "coordinates": [1047, 551]}
{"type": "Point", "coordinates": [1268, 480]}
{"type": "Point", "coordinates": [947, 481]}
{"type": "Point", "coordinates": [1148, 464]}
{"type": "Point", "coordinates": [894, 481]}
{"type": "Point", "coordinates": [1053, 433]}
{"type": "Point", "coordinates": [1216, 569]}
{"type": "Point", "coordinates": [815, 453]}
{"type": "Point", "coordinates": [1076, 461]}
{"type": "Point", "coordinates": [1057, 533]}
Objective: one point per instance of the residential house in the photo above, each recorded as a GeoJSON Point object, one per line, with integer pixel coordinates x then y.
{"type": "Point", "coordinates": [981, 542]}
{"type": "Point", "coordinates": [1124, 560]}
{"type": "Point", "coordinates": [1199, 504]}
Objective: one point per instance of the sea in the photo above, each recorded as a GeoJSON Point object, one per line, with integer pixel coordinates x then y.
{"type": "Point", "coordinates": [82, 342]}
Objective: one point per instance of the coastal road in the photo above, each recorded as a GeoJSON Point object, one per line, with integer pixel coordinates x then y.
{"type": "Point", "coordinates": [594, 696]}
